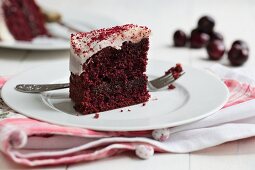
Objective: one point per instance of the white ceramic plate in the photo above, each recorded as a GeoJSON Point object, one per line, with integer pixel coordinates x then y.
{"type": "Point", "coordinates": [197, 95]}
{"type": "Point", "coordinates": [61, 41]}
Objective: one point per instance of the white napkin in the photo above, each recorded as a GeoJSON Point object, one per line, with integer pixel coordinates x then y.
{"type": "Point", "coordinates": [228, 124]}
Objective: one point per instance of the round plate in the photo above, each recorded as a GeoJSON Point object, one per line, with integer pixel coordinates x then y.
{"type": "Point", "coordinates": [61, 35]}
{"type": "Point", "coordinates": [197, 95]}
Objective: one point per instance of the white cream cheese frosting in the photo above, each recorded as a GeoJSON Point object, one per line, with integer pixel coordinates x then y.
{"type": "Point", "coordinates": [85, 45]}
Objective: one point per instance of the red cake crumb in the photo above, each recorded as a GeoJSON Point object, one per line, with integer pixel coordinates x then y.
{"type": "Point", "coordinates": [176, 75]}
{"type": "Point", "coordinates": [175, 71]}
{"type": "Point", "coordinates": [129, 110]}
{"type": "Point", "coordinates": [96, 116]}
{"type": "Point", "coordinates": [143, 104]}
{"type": "Point", "coordinates": [170, 87]}
{"type": "Point", "coordinates": [121, 110]}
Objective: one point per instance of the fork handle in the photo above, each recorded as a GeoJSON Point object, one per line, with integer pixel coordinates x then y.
{"type": "Point", "coordinates": [37, 88]}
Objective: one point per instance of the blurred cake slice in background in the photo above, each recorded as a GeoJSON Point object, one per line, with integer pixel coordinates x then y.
{"type": "Point", "coordinates": [21, 20]}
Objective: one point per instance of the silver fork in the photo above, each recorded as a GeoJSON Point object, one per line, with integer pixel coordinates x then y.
{"type": "Point", "coordinates": [152, 85]}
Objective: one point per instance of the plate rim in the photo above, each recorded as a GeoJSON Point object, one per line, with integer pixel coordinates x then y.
{"type": "Point", "coordinates": [112, 128]}
{"type": "Point", "coordinates": [35, 47]}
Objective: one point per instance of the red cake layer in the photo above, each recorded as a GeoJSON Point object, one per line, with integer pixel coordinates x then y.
{"type": "Point", "coordinates": [23, 19]}
{"type": "Point", "coordinates": [112, 79]}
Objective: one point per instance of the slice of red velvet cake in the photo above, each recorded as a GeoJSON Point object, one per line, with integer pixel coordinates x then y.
{"type": "Point", "coordinates": [108, 68]}
{"type": "Point", "coordinates": [20, 20]}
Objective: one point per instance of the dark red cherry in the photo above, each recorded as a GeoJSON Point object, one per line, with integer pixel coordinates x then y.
{"type": "Point", "coordinates": [206, 24]}
{"type": "Point", "coordinates": [238, 55]}
{"type": "Point", "coordinates": [215, 49]}
{"type": "Point", "coordinates": [180, 38]}
{"type": "Point", "coordinates": [198, 39]}
{"type": "Point", "coordinates": [216, 36]}
{"type": "Point", "coordinates": [243, 44]}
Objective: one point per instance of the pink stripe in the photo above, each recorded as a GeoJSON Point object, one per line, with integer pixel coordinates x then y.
{"type": "Point", "coordinates": [3, 81]}
{"type": "Point", "coordinates": [34, 127]}
{"type": "Point", "coordinates": [239, 92]}
{"type": "Point", "coordinates": [78, 157]}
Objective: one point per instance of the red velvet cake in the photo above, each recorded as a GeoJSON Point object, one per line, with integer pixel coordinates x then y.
{"type": "Point", "coordinates": [20, 20]}
{"type": "Point", "coordinates": [108, 68]}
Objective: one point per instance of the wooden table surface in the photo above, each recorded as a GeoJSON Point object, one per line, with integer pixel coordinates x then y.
{"type": "Point", "coordinates": [235, 19]}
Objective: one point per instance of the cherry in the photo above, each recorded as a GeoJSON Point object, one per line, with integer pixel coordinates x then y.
{"type": "Point", "coordinates": [216, 36]}
{"type": "Point", "coordinates": [179, 38]}
{"type": "Point", "coordinates": [215, 49]}
{"type": "Point", "coordinates": [206, 24]}
{"type": "Point", "coordinates": [241, 43]}
{"type": "Point", "coordinates": [238, 55]}
{"type": "Point", "coordinates": [198, 39]}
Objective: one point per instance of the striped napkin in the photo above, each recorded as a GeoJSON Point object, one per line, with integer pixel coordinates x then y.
{"type": "Point", "coordinates": [35, 143]}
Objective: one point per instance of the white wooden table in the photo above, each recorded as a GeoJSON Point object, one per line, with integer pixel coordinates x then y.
{"type": "Point", "coordinates": [235, 19]}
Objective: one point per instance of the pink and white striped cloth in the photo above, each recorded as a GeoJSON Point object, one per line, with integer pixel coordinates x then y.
{"type": "Point", "coordinates": [34, 143]}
